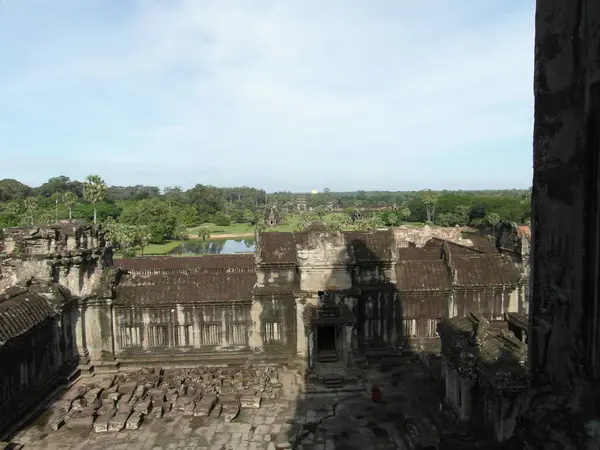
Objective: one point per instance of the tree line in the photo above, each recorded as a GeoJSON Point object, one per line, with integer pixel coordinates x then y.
{"type": "Point", "coordinates": [159, 215]}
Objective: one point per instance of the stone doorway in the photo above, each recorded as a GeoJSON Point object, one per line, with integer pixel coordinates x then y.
{"type": "Point", "coordinates": [326, 344]}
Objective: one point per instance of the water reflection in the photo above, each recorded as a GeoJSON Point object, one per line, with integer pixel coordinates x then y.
{"type": "Point", "coordinates": [214, 247]}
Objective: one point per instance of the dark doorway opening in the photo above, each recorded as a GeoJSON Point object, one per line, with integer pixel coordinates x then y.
{"type": "Point", "coordinates": [326, 339]}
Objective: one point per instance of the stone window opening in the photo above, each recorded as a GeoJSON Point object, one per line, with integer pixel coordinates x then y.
{"type": "Point", "coordinates": [130, 336]}
{"type": "Point", "coordinates": [237, 333]}
{"type": "Point", "coordinates": [372, 320]}
{"type": "Point", "coordinates": [272, 332]}
{"type": "Point", "coordinates": [431, 328]}
{"type": "Point", "coordinates": [409, 328]}
{"type": "Point", "coordinates": [210, 333]}
{"type": "Point", "coordinates": [183, 335]}
{"type": "Point", "coordinates": [158, 336]}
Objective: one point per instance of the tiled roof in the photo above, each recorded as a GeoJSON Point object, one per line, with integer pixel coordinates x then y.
{"type": "Point", "coordinates": [370, 245]}
{"type": "Point", "coordinates": [425, 275]}
{"type": "Point", "coordinates": [485, 270]}
{"type": "Point", "coordinates": [419, 253]}
{"type": "Point", "coordinates": [237, 261]}
{"type": "Point", "coordinates": [277, 248]}
{"type": "Point", "coordinates": [22, 308]}
{"type": "Point", "coordinates": [185, 286]}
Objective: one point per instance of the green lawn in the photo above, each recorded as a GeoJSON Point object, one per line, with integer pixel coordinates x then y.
{"type": "Point", "coordinates": [234, 228]}
{"type": "Point", "coordinates": [154, 249]}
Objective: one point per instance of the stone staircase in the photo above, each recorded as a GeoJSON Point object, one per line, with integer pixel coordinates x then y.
{"type": "Point", "coordinates": [333, 381]}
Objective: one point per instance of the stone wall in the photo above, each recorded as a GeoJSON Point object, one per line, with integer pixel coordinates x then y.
{"type": "Point", "coordinates": [71, 255]}
{"type": "Point", "coordinates": [564, 337]}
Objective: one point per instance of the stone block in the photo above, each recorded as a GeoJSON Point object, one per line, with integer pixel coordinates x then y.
{"type": "Point", "coordinates": [157, 395]}
{"type": "Point", "coordinates": [101, 423]}
{"type": "Point", "coordinates": [118, 421]}
{"type": "Point", "coordinates": [134, 421]}
{"type": "Point", "coordinates": [205, 405]}
{"type": "Point", "coordinates": [140, 391]}
{"type": "Point", "coordinates": [127, 387]}
{"type": "Point", "coordinates": [78, 422]}
{"type": "Point", "coordinates": [93, 394]}
{"type": "Point", "coordinates": [250, 401]}
{"type": "Point", "coordinates": [185, 403]}
{"type": "Point", "coordinates": [57, 421]}
{"type": "Point", "coordinates": [125, 408]}
{"type": "Point", "coordinates": [216, 411]}
{"type": "Point", "coordinates": [143, 406]}
{"type": "Point", "coordinates": [230, 411]}
{"type": "Point", "coordinates": [156, 412]}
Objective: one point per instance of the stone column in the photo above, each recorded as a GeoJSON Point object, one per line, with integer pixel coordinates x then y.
{"type": "Point", "coordinates": [301, 341]}
{"type": "Point", "coordinates": [564, 337]}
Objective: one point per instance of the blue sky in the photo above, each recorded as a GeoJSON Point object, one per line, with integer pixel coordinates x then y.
{"type": "Point", "coordinates": [283, 95]}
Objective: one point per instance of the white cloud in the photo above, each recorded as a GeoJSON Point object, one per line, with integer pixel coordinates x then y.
{"type": "Point", "coordinates": [299, 87]}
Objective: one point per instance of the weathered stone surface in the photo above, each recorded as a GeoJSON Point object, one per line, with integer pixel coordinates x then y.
{"type": "Point", "coordinates": [118, 421]}
{"type": "Point", "coordinates": [143, 406]}
{"type": "Point", "coordinates": [250, 401]}
{"type": "Point", "coordinates": [205, 405]}
{"type": "Point", "coordinates": [78, 422]}
{"type": "Point", "coordinates": [564, 337]}
{"type": "Point", "coordinates": [57, 421]}
{"type": "Point", "coordinates": [101, 423]}
{"type": "Point", "coordinates": [134, 421]}
{"type": "Point", "coordinates": [230, 411]}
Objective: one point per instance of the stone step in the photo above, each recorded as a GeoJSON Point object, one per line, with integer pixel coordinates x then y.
{"type": "Point", "coordinates": [327, 359]}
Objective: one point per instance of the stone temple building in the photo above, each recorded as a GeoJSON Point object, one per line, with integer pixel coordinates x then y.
{"type": "Point", "coordinates": [485, 372]}
{"type": "Point", "coordinates": [68, 309]}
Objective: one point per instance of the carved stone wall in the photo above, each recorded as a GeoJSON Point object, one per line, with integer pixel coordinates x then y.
{"type": "Point", "coordinates": [71, 255]}
{"type": "Point", "coordinates": [564, 338]}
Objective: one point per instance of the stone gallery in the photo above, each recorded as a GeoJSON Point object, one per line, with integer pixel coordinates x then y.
{"type": "Point", "coordinates": [325, 302]}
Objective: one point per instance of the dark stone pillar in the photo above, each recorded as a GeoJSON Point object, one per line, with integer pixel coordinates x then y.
{"type": "Point", "coordinates": [564, 343]}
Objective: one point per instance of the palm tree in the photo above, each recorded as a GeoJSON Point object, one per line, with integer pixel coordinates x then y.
{"type": "Point", "coordinates": [94, 191]}
{"type": "Point", "coordinates": [69, 198]}
{"type": "Point", "coordinates": [493, 219]}
{"type": "Point", "coordinates": [30, 206]}
{"type": "Point", "coordinates": [430, 199]}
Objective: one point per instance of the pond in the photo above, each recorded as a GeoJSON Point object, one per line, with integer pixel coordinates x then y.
{"type": "Point", "coordinates": [214, 247]}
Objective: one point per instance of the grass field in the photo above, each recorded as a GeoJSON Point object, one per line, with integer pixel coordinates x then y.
{"type": "Point", "coordinates": [155, 249]}
{"type": "Point", "coordinates": [234, 228]}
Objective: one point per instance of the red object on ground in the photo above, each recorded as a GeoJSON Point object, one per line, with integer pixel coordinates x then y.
{"type": "Point", "coordinates": [375, 393]}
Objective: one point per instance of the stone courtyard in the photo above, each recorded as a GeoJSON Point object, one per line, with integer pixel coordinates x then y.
{"type": "Point", "coordinates": [278, 412]}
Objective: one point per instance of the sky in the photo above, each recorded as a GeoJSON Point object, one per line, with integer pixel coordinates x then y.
{"type": "Point", "coordinates": [283, 95]}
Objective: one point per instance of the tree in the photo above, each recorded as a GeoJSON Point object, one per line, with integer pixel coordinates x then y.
{"type": "Point", "coordinates": [142, 237]}
{"type": "Point", "coordinates": [405, 212]}
{"type": "Point", "coordinates": [180, 232]}
{"type": "Point", "coordinates": [31, 204]}
{"type": "Point", "coordinates": [204, 235]}
{"type": "Point", "coordinates": [493, 219]}
{"type": "Point", "coordinates": [430, 199]}
{"type": "Point", "coordinates": [69, 199]}
{"type": "Point", "coordinates": [94, 191]}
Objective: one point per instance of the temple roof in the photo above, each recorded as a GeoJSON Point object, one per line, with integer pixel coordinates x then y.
{"type": "Point", "coordinates": [370, 245]}
{"type": "Point", "coordinates": [426, 275]}
{"type": "Point", "coordinates": [485, 270]}
{"type": "Point", "coordinates": [419, 253]}
{"type": "Point", "coordinates": [185, 286]}
{"type": "Point", "coordinates": [22, 307]}
{"type": "Point", "coordinates": [234, 262]}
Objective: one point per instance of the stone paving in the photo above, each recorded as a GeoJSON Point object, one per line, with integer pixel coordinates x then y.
{"type": "Point", "coordinates": [301, 421]}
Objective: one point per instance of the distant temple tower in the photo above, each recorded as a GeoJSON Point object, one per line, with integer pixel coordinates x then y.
{"type": "Point", "coordinates": [272, 216]}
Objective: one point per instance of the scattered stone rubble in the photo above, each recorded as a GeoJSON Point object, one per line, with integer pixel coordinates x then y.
{"type": "Point", "coordinates": [127, 399]}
